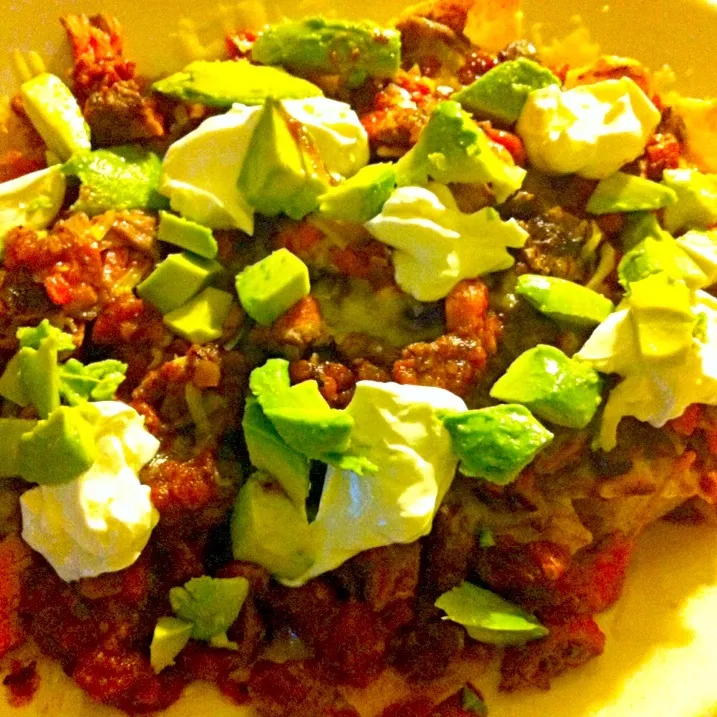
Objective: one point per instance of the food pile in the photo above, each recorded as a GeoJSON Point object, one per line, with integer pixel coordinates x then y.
{"type": "Point", "coordinates": [337, 368]}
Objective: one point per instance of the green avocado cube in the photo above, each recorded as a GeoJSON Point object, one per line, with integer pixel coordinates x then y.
{"type": "Point", "coordinates": [554, 387]}
{"type": "Point", "coordinates": [11, 386]}
{"type": "Point", "coordinates": [202, 319]}
{"type": "Point", "coordinates": [40, 376]}
{"type": "Point", "coordinates": [177, 279]}
{"type": "Point", "coordinates": [170, 637]}
{"type": "Point", "coordinates": [269, 452]}
{"type": "Point", "coordinates": [361, 197]}
{"type": "Point", "coordinates": [58, 449]}
{"type": "Point", "coordinates": [564, 301]}
{"type": "Point", "coordinates": [662, 317]}
{"type": "Point", "coordinates": [639, 226]}
{"type": "Point", "coordinates": [623, 192]}
{"type": "Point", "coordinates": [187, 235]}
{"type": "Point", "coordinates": [354, 51]}
{"type": "Point", "coordinates": [502, 92]}
{"type": "Point", "coordinates": [453, 148]}
{"type": "Point", "coordinates": [273, 285]}
{"type": "Point", "coordinates": [496, 443]}
{"type": "Point", "coordinates": [55, 114]}
{"type": "Point", "coordinates": [224, 83]}
{"type": "Point", "coordinates": [280, 173]}
{"type": "Point", "coordinates": [696, 206]}
{"type": "Point", "coordinates": [11, 430]}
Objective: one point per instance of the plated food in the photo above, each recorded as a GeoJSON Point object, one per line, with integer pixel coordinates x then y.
{"type": "Point", "coordinates": [340, 367]}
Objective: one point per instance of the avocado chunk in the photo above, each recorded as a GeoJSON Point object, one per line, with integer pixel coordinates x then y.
{"type": "Point", "coordinates": [623, 192]}
{"type": "Point", "coordinates": [268, 529]}
{"type": "Point", "coordinates": [202, 318]}
{"type": "Point", "coordinates": [305, 421]}
{"type": "Point", "coordinates": [496, 443]}
{"type": "Point", "coordinates": [554, 387]}
{"type": "Point", "coordinates": [11, 430]}
{"type": "Point", "coordinates": [564, 301]}
{"type": "Point", "coordinates": [701, 247]}
{"type": "Point", "coordinates": [269, 452]}
{"type": "Point", "coordinates": [187, 235]}
{"type": "Point", "coordinates": [32, 201]}
{"type": "Point", "coordinates": [696, 206]}
{"type": "Point", "coordinates": [11, 386]}
{"type": "Point", "coordinates": [170, 637]}
{"type": "Point", "coordinates": [125, 177]}
{"type": "Point", "coordinates": [40, 376]}
{"type": "Point", "coordinates": [273, 285]}
{"type": "Point", "coordinates": [177, 279]}
{"type": "Point", "coordinates": [639, 226]}
{"type": "Point", "coordinates": [282, 170]}
{"type": "Point", "coordinates": [58, 449]}
{"type": "Point", "coordinates": [661, 315]}
{"type": "Point", "coordinates": [501, 93]}
{"type": "Point", "coordinates": [489, 618]}
{"type": "Point", "coordinates": [55, 114]}
{"type": "Point", "coordinates": [361, 197]}
{"type": "Point", "coordinates": [453, 148]}
{"type": "Point", "coordinates": [228, 82]}
{"type": "Point", "coordinates": [354, 51]}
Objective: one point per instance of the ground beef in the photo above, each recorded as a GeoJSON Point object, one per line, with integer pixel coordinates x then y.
{"type": "Point", "coordinates": [14, 561]}
{"type": "Point", "coordinates": [568, 645]}
{"type": "Point", "coordinates": [466, 702]}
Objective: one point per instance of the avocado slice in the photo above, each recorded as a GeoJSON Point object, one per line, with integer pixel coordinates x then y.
{"type": "Point", "coordinates": [170, 637]}
{"type": "Point", "coordinates": [269, 452]}
{"type": "Point", "coordinates": [202, 318]}
{"type": "Point", "coordinates": [268, 529]}
{"type": "Point", "coordinates": [228, 82]}
{"type": "Point", "coordinates": [282, 171]}
{"type": "Point", "coordinates": [564, 301]}
{"type": "Point", "coordinates": [273, 285]}
{"type": "Point", "coordinates": [187, 235]}
{"type": "Point", "coordinates": [354, 51]}
{"type": "Point", "coordinates": [554, 387]}
{"type": "Point", "coordinates": [502, 92]}
{"type": "Point", "coordinates": [453, 148]}
{"type": "Point", "coordinates": [32, 201]}
{"type": "Point", "coordinates": [623, 192]}
{"type": "Point", "coordinates": [177, 279]}
{"type": "Point", "coordinates": [55, 114]}
{"type": "Point", "coordinates": [58, 449]}
{"type": "Point", "coordinates": [11, 430]}
{"type": "Point", "coordinates": [361, 197]}
{"type": "Point", "coordinates": [662, 317]}
{"type": "Point", "coordinates": [497, 442]}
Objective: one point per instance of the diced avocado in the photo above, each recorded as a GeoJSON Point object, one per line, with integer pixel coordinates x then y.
{"type": "Point", "coordinates": [453, 148]}
{"type": "Point", "coordinates": [654, 256]}
{"type": "Point", "coordinates": [98, 381]}
{"type": "Point", "coordinates": [31, 201]}
{"type": "Point", "coordinates": [661, 315]}
{"type": "Point", "coordinates": [224, 83]}
{"type": "Point", "coordinates": [170, 637]}
{"type": "Point", "coordinates": [11, 386]}
{"type": "Point", "coordinates": [320, 46]}
{"type": "Point", "coordinates": [124, 177]}
{"type": "Point", "coordinates": [554, 387]}
{"type": "Point", "coordinates": [268, 452]}
{"type": "Point", "coordinates": [267, 528]}
{"type": "Point", "coordinates": [701, 247]}
{"type": "Point", "coordinates": [33, 336]}
{"type": "Point", "coordinates": [489, 618]}
{"type": "Point", "coordinates": [696, 206]}
{"type": "Point", "coordinates": [472, 701]}
{"type": "Point", "coordinates": [496, 443]}
{"type": "Point", "coordinates": [639, 226]}
{"type": "Point", "coordinates": [282, 171]}
{"type": "Point", "coordinates": [304, 420]}
{"type": "Point", "coordinates": [361, 197]}
{"type": "Point", "coordinates": [502, 91]}
{"type": "Point", "coordinates": [202, 318]}
{"type": "Point", "coordinates": [55, 114]}
{"type": "Point", "coordinates": [40, 376]}
{"type": "Point", "coordinates": [177, 279]}
{"type": "Point", "coordinates": [269, 380]}
{"type": "Point", "coordinates": [623, 192]}
{"type": "Point", "coordinates": [58, 449]}
{"type": "Point", "coordinates": [187, 235]}
{"type": "Point", "coordinates": [11, 430]}
{"type": "Point", "coordinates": [273, 285]}
{"type": "Point", "coordinates": [565, 301]}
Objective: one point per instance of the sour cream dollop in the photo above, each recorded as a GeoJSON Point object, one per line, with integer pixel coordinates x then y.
{"type": "Point", "coordinates": [591, 130]}
{"type": "Point", "coordinates": [100, 521]}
